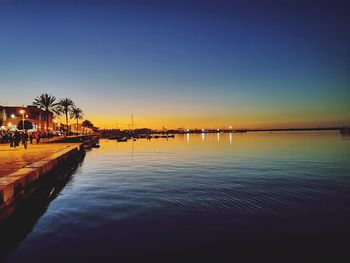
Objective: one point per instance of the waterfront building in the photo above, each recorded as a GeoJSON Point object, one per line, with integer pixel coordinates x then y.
{"type": "Point", "coordinates": [12, 117]}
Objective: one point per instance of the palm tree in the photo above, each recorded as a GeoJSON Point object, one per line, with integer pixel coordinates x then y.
{"type": "Point", "coordinates": [47, 103]}
{"type": "Point", "coordinates": [66, 106]}
{"type": "Point", "coordinates": [76, 113]}
{"type": "Point", "coordinates": [87, 124]}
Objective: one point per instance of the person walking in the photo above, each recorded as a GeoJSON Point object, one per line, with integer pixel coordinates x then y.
{"type": "Point", "coordinates": [17, 139]}
{"type": "Point", "coordinates": [25, 139]}
{"type": "Point", "coordinates": [37, 137]}
{"type": "Point", "coordinates": [31, 138]}
{"type": "Point", "coordinates": [12, 139]}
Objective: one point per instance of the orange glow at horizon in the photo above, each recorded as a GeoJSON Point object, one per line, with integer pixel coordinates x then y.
{"type": "Point", "coordinates": [215, 122]}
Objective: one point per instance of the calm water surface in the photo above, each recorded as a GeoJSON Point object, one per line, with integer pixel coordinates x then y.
{"type": "Point", "coordinates": [201, 196]}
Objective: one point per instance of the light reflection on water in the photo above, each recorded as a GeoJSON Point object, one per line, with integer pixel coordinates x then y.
{"type": "Point", "coordinates": [197, 193]}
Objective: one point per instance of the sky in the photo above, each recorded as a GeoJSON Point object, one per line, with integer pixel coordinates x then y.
{"type": "Point", "coordinates": [181, 64]}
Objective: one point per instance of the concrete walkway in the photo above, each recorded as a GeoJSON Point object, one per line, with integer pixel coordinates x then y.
{"type": "Point", "coordinates": [12, 159]}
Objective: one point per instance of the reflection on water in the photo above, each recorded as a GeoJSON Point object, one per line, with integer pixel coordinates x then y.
{"type": "Point", "coordinates": [205, 195]}
{"type": "Point", "coordinates": [20, 224]}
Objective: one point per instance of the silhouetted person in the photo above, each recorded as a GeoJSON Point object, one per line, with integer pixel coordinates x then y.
{"type": "Point", "coordinates": [17, 139]}
{"type": "Point", "coordinates": [24, 138]}
{"type": "Point", "coordinates": [37, 137]}
{"type": "Point", "coordinates": [31, 138]}
{"type": "Point", "coordinates": [12, 140]}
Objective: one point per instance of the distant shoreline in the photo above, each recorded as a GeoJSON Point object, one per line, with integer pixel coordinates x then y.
{"type": "Point", "coordinates": [340, 129]}
{"type": "Point", "coordinates": [293, 129]}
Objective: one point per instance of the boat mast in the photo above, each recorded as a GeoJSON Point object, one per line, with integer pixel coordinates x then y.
{"type": "Point", "coordinates": [132, 122]}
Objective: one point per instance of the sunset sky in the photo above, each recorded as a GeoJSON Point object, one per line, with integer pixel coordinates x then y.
{"type": "Point", "coordinates": [190, 64]}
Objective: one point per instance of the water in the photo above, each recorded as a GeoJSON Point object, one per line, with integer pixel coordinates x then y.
{"type": "Point", "coordinates": [213, 196]}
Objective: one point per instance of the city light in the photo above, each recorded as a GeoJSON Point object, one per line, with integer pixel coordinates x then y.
{"type": "Point", "coordinates": [22, 112]}
{"type": "Point", "coordinates": [13, 116]}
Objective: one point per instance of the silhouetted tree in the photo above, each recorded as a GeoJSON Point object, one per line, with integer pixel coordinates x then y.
{"type": "Point", "coordinates": [46, 102]}
{"type": "Point", "coordinates": [65, 107]}
{"type": "Point", "coordinates": [78, 114]}
{"type": "Point", "coordinates": [27, 125]}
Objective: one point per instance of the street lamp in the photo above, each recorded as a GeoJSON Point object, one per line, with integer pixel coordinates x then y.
{"type": "Point", "coordinates": [22, 112]}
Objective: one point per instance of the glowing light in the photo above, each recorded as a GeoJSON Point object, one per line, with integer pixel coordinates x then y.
{"type": "Point", "coordinates": [22, 111]}
{"type": "Point", "coordinates": [230, 127]}
{"type": "Point", "coordinates": [9, 124]}
{"type": "Point", "coordinates": [13, 116]}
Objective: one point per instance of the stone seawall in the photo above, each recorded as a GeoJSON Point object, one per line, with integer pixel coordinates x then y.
{"type": "Point", "coordinates": [17, 186]}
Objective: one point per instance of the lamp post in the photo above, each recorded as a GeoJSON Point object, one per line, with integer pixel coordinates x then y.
{"type": "Point", "coordinates": [22, 112]}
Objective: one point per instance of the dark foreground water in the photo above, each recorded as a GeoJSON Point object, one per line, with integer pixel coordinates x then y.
{"type": "Point", "coordinates": [281, 196]}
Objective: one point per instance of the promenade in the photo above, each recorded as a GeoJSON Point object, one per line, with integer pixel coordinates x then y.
{"type": "Point", "coordinates": [12, 159]}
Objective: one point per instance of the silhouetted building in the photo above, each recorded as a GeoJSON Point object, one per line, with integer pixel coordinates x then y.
{"type": "Point", "coordinates": [11, 116]}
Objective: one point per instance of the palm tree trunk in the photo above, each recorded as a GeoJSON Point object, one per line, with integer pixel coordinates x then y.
{"type": "Point", "coordinates": [67, 121]}
{"type": "Point", "coordinates": [47, 121]}
{"type": "Point", "coordinates": [77, 125]}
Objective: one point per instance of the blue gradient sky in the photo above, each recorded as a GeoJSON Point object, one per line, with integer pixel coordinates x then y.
{"type": "Point", "coordinates": [182, 63]}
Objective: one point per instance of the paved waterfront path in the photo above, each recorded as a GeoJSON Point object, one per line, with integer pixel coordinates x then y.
{"type": "Point", "coordinates": [12, 159]}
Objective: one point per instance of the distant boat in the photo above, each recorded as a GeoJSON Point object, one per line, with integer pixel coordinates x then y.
{"type": "Point", "coordinates": [168, 136]}
{"type": "Point", "coordinates": [239, 131]}
{"type": "Point", "coordinates": [115, 137]}
{"type": "Point", "coordinates": [345, 131]}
